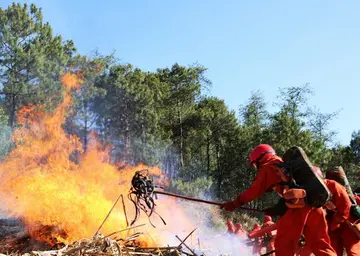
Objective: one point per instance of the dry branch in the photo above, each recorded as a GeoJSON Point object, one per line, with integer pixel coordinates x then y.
{"type": "Point", "coordinates": [107, 216]}
{"type": "Point", "coordinates": [105, 246]}
{"type": "Point", "coordinates": [124, 209]}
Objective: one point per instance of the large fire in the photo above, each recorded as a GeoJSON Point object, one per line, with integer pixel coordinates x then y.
{"type": "Point", "coordinates": [62, 193]}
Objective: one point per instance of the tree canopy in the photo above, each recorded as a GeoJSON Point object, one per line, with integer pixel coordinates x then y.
{"type": "Point", "coordinates": [159, 118]}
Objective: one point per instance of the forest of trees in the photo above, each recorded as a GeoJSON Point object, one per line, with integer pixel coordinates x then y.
{"type": "Point", "coordinates": [158, 118]}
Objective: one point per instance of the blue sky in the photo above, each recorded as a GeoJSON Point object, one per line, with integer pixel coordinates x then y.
{"type": "Point", "coordinates": [246, 45]}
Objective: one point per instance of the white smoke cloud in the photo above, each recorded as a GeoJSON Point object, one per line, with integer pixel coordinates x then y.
{"type": "Point", "coordinates": [210, 238]}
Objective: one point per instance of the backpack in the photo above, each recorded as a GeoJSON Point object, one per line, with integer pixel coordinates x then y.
{"type": "Point", "coordinates": [298, 167]}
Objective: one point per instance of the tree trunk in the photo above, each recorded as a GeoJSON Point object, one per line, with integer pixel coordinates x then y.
{"type": "Point", "coordinates": [127, 138]}
{"type": "Point", "coordinates": [181, 136]}
{"type": "Point", "coordinates": [218, 167]}
{"type": "Point", "coordinates": [208, 156]}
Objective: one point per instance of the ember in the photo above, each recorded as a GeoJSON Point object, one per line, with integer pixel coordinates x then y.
{"type": "Point", "coordinates": [102, 245]}
{"type": "Point", "coordinates": [51, 235]}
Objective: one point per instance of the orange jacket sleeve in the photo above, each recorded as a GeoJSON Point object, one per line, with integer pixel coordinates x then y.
{"type": "Point", "coordinates": [357, 199]}
{"type": "Point", "coordinates": [266, 177]}
{"type": "Point", "coordinates": [341, 200]}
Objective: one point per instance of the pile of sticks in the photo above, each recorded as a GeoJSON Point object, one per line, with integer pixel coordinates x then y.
{"type": "Point", "coordinates": [104, 245]}
{"type": "Point", "coordinates": [141, 194]}
{"type": "Point", "coordinates": [110, 245]}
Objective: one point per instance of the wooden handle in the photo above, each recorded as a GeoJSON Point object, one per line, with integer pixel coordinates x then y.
{"type": "Point", "coordinates": [201, 200]}
{"type": "Point", "coordinates": [187, 198]}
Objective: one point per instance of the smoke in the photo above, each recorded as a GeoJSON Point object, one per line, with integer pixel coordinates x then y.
{"type": "Point", "coordinates": [5, 138]}
{"type": "Point", "coordinates": [3, 214]}
{"type": "Point", "coordinates": [5, 147]}
{"type": "Point", "coordinates": [97, 184]}
{"type": "Point", "coordinates": [224, 244]}
{"type": "Point", "coordinates": [210, 237]}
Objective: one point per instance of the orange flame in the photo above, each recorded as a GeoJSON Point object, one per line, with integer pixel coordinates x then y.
{"type": "Point", "coordinates": [49, 182]}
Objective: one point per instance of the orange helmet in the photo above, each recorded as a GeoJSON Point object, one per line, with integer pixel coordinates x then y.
{"type": "Point", "coordinates": [259, 152]}
{"type": "Point", "coordinates": [318, 171]}
{"type": "Point", "coordinates": [267, 218]}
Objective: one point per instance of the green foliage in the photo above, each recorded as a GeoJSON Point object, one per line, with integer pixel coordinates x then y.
{"type": "Point", "coordinates": [248, 221]}
{"type": "Point", "coordinates": [5, 134]}
{"type": "Point", "coordinates": [355, 147]}
{"type": "Point", "coordinates": [182, 89]}
{"type": "Point", "coordinates": [196, 188]}
{"type": "Point", "coordinates": [3, 117]}
{"type": "Point", "coordinates": [163, 117]}
{"type": "Point", "coordinates": [82, 117]}
{"type": "Point", "coordinates": [129, 114]}
{"type": "Point", "coordinates": [31, 58]}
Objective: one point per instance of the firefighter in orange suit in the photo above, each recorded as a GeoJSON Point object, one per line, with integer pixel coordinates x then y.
{"type": "Point", "coordinates": [239, 231]}
{"type": "Point", "coordinates": [342, 236]}
{"type": "Point", "coordinates": [296, 221]}
{"type": "Point", "coordinates": [231, 227]}
{"type": "Point", "coordinates": [269, 238]}
{"type": "Point", "coordinates": [257, 244]}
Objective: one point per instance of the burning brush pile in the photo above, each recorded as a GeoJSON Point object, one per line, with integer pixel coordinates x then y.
{"type": "Point", "coordinates": [55, 195]}
{"type": "Point", "coordinates": [98, 245]}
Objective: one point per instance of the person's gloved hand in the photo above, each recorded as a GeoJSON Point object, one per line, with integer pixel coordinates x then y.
{"type": "Point", "coordinates": [232, 205]}
{"type": "Point", "coordinates": [228, 206]}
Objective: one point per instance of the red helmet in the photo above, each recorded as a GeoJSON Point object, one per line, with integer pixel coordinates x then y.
{"type": "Point", "coordinates": [318, 171]}
{"type": "Point", "coordinates": [267, 218]}
{"type": "Point", "coordinates": [238, 226]}
{"type": "Point", "coordinates": [260, 151]}
{"type": "Point", "coordinates": [229, 222]}
{"type": "Point", "coordinates": [230, 226]}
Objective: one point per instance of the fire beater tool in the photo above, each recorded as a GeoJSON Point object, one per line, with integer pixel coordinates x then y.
{"type": "Point", "coordinates": [142, 194]}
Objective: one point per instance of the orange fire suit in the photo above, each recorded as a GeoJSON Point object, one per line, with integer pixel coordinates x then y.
{"type": "Point", "coordinates": [335, 220]}
{"type": "Point", "coordinates": [341, 200]}
{"type": "Point", "coordinates": [342, 237]}
{"type": "Point", "coordinates": [230, 226]}
{"type": "Point", "coordinates": [239, 231]}
{"type": "Point", "coordinates": [308, 220]}
{"type": "Point", "coordinates": [257, 244]}
{"type": "Point", "coordinates": [340, 233]}
{"type": "Point", "coordinates": [348, 238]}
{"type": "Point", "coordinates": [269, 238]}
